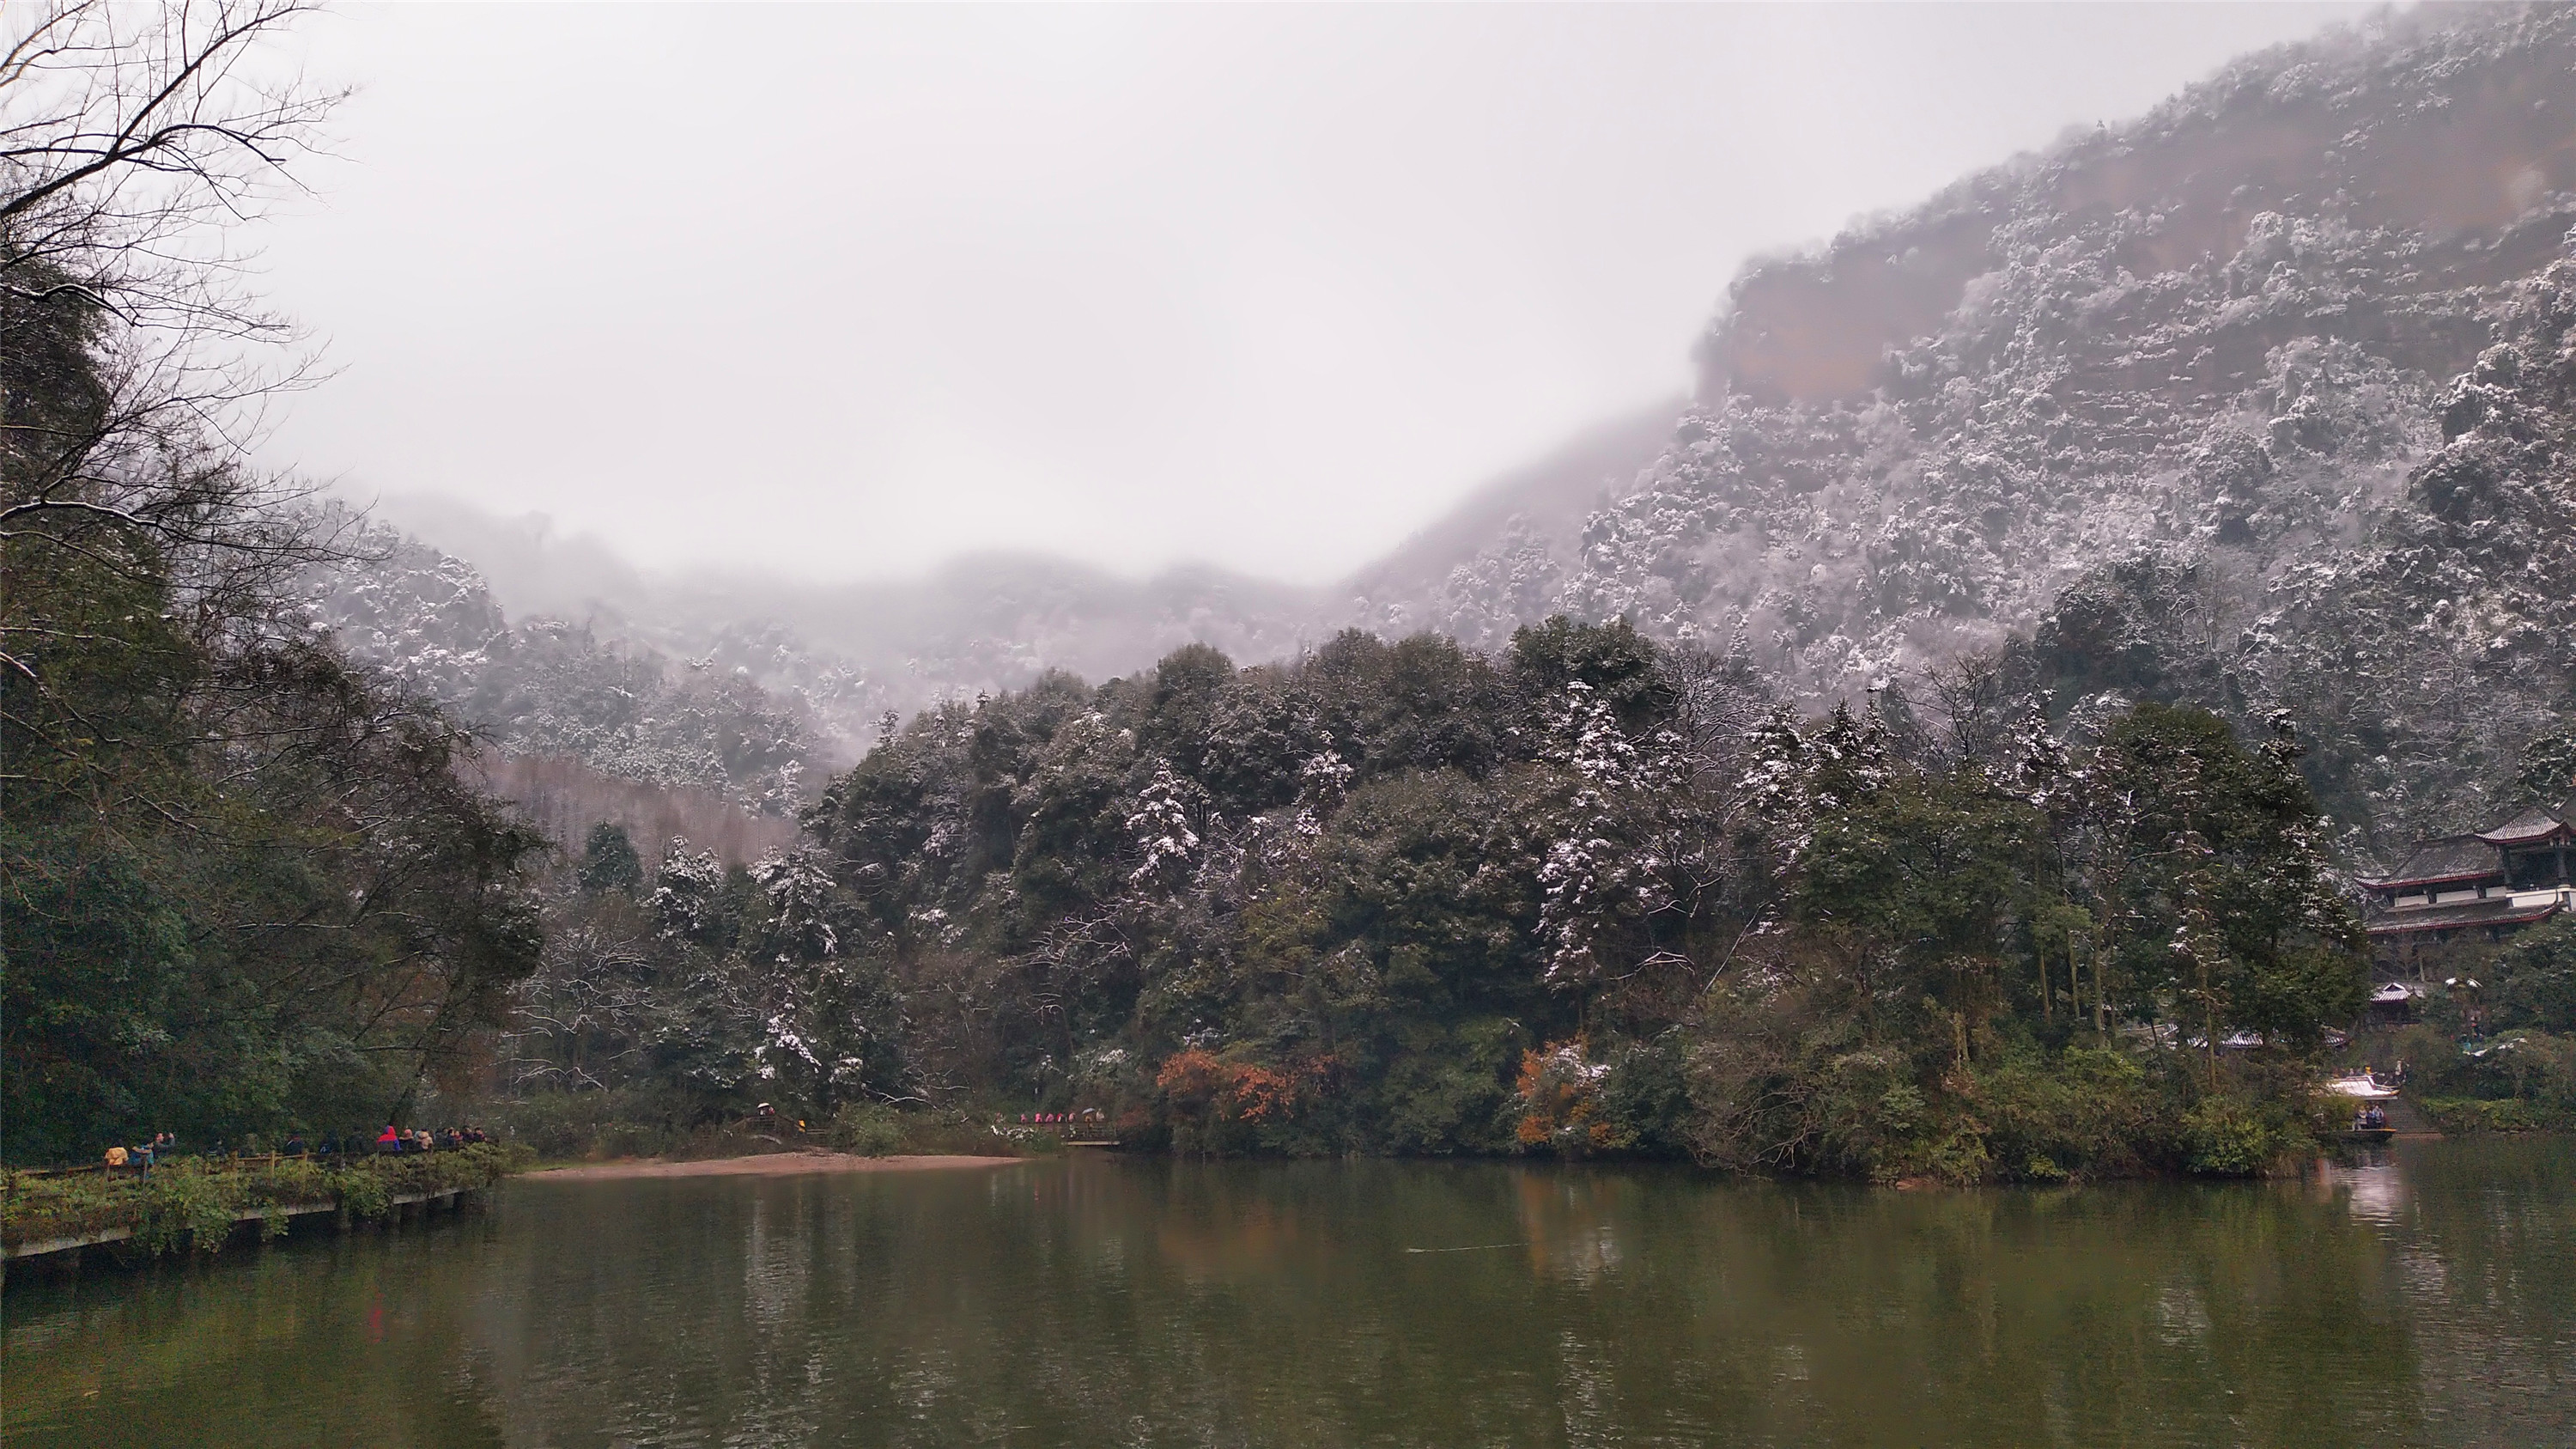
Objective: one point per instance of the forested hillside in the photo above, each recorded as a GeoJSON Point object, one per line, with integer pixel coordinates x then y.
{"type": "Point", "coordinates": [1924, 766]}
{"type": "Point", "coordinates": [545, 688]}
{"type": "Point", "coordinates": [852, 652]}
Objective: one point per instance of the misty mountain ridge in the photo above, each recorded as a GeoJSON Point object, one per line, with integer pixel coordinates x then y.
{"type": "Point", "coordinates": [851, 652]}
{"type": "Point", "coordinates": [2255, 401]}
{"type": "Point", "coordinates": [847, 654]}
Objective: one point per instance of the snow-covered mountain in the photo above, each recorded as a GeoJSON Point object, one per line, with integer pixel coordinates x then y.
{"type": "Point", "coordinates": [2171, 389]}
{"type": "Point", "coordinates": [544, 687]}
{"type": "Point", "coordinates": [2221, 328]}
{"type": "Point", "coordinates": [2255, 400]}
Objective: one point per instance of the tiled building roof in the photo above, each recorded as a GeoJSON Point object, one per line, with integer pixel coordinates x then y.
{"type": "Point", "coordinates": [2533, 826]}
{"type": "Point", "coordinates": [2454, 858]}
{"type": "Point", "coordinates": [2464, 858]}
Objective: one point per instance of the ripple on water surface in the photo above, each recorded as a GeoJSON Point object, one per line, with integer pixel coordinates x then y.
{"type": "Point", "coordinates": [2425, 1297]}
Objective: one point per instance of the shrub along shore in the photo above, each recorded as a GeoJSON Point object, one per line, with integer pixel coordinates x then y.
{"type": "Point", "coordinates": [623, 1124]}
{"type": "Point", "coordinates": [195, 1204]}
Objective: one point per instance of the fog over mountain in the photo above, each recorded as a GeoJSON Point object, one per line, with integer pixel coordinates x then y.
{"type": "Point", "coordinates": [993, 622]}
{"type": "Point", "coordinates": [2180, 402]}
{"type": "Point", "coordinates": [842, 292]}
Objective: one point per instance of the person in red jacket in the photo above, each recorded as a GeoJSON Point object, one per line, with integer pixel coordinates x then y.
{"type": "Point", "coordinates": [389, 1140]}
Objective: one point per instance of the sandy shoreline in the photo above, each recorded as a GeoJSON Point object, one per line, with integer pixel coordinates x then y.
{"type": "Point", "coordinates": [772, 1164]}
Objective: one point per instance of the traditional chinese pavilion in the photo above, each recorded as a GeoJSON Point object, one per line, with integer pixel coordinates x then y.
{"type": "Point", "coordinates": [2477, 887]}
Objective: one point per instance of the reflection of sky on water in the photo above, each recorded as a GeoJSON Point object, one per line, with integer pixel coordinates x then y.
{"type": "Point", "coordinates": [1587, 1391]}
{"type": "Point", "coordinates": [2375, 1191]}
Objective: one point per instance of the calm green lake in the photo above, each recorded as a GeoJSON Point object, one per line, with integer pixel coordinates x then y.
{"type": "Point", "coordinates": [2427, 1297]}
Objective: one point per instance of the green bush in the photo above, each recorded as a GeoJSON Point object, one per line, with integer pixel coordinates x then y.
{"type": "Point", "coordinates": [2225, 1136]}
{"type": "Point", "coordinates": [191, 1203]}
{"type": "Point", "coordinates": [867, 1130]}
{"type": "Point", "coordinates": [2531, 1066]}
{"type": "Point", "coordinates": [1646, 1097]}
{"type": "Point", "coordinates": [2524, 1065]}
{"type": "Point", "coordinates": [366, 1195]}
{"type": "Point", "coordinates": [2087, 1111]}
{"type": "Point", "coordinates": [2532, 979]}
{"type": "Point", "coordinates": [2460, 1115]}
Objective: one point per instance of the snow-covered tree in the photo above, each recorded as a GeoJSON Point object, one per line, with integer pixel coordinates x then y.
{"type": "Point", "coordinates": [686, 890]}
{"type": "Point", "coordinates": [834, 1019]}
{"type": "Point", "coordinates": [1164, 824]}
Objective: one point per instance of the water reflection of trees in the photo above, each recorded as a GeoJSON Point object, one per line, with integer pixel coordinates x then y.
{"type": "Point", "coordinates": [1287, 1304]}
{"type": "Point", "coordinates": [2482, 1236]}
{"type": "Point", "coordinates": [287, 1347]}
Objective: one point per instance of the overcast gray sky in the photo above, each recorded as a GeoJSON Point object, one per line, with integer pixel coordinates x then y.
{"type": "Point", "coordinates": [843, 291]}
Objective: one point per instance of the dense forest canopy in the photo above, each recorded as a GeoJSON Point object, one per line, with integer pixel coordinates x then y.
{"type": "Point", "coordinates": [1591, 894]}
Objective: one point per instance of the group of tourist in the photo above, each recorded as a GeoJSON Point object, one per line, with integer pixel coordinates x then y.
{"type": "Point", "coordinates": [141, 1156]}
{"type": "Point", "coordinates": [421, 1139]}
{"type": "Point", "coordinates": [1060, 1119]}
{"type": "Point", "coordinates": [394, 1139]}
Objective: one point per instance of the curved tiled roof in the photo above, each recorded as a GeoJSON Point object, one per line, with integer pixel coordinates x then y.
{"type": "Point", "coordinates": [2456, 857]}
{"type": "Point", "coordinates": [2532, 826]}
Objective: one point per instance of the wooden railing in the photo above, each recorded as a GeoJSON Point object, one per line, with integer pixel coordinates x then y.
{"type": "Point", "coordinates": [367, 1152]}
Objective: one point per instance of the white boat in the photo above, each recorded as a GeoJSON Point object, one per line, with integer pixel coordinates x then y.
{"type": "Point", "coordinates": [2369, 1122]}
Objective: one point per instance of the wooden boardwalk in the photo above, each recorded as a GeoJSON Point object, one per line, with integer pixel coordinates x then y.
{"type": "Point", "coordinates": [46, 1247]}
